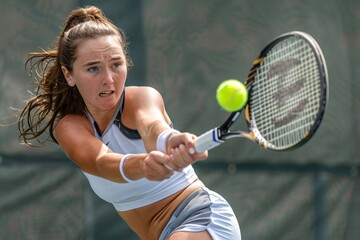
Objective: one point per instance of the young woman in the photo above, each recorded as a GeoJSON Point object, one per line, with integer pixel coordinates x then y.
{"type": "Point", "coordinates": [121, 137]}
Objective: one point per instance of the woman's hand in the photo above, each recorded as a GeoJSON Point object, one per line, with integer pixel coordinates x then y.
{"type": "Point", "coordinates": [178, 147]}
{"type": "Point", "coordinates": [156, 166]}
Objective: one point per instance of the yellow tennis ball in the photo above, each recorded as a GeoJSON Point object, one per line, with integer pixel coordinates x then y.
{"type": "Point", "coordinates": [232, 95]}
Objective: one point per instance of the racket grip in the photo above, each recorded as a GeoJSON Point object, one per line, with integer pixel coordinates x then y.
{"type": "Point", "coordinates": [207, 141]}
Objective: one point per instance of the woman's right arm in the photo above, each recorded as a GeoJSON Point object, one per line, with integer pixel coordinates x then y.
{"type": "Point", "coordinates": [75, 135]}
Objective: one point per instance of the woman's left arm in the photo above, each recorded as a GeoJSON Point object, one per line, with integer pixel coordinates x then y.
{"type": "Point", "coordinates": [148, 113]}
{"type": "Point", "coordinates": [152, 120]}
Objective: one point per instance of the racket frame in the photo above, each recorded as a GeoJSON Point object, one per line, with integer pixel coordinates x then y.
{"type": "Point", "coordinates": [219, 135]}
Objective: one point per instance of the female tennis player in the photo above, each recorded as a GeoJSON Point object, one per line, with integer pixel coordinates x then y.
{"type": "Point", "coordinates": [121, 137]}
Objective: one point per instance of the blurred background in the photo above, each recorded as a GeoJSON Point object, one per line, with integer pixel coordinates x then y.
{"type": "Point", "coordinates": [185, 49]}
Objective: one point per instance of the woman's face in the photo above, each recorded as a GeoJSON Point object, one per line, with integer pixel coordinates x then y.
{"type": "Point", "coordinates": [99, 72]}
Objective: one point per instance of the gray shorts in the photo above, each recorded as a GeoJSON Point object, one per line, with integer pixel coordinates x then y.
{"type": "Point", "coordinates": [204, 210]}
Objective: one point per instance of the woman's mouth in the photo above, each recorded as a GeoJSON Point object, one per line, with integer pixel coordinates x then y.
{"type": "Point", "coordinates": [106, 93]}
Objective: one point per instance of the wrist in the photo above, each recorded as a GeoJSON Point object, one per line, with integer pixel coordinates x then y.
{"type": "Point", "coordinates": [121, 168]}
{"type": "Point", "coordinates": [161, 142]}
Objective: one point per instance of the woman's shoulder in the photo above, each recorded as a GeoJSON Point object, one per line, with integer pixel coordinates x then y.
{"type": "Point", "coordinates": [72, 128]}
{"type": "Point", "coordinates": [74, 118]}
{"type": "Point", "coordinates": [142, 96]}
{"type": "Point", "coordinates": [141, 103]}
{"type": "Point", "coordinates": [71, 121]}
{"type": "Point", "coordinates": [145, 91]}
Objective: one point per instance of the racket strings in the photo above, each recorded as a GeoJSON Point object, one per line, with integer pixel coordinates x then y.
{"type": "Point", "coordinates": [286, 93]}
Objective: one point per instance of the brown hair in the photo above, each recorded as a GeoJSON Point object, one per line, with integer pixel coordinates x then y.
{"type": "Point", "coordinates": [54, 98]}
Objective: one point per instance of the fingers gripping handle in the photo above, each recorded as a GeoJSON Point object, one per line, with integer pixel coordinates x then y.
{"type": "Point", "coordinates": [207, 141]}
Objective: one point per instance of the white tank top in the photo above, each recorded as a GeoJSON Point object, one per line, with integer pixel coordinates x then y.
{"type": "Point", "coordinates": [139, 193]}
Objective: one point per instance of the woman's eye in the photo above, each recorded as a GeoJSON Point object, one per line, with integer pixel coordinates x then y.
{"type": "Point", "coordinates": [116, 65]}
{"type": "Point", "coordinates": [93, 69]}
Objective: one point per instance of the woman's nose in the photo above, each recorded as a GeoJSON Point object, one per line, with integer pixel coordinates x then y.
{"type": "Point", "coordinates": [108, 77]}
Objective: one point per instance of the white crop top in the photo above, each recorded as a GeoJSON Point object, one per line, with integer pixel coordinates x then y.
{"type": "Point", "coordinates": [139, 193]}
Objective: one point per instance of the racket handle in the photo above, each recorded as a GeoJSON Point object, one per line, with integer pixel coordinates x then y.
{"type": "Point", "coordinates": [207, 141]}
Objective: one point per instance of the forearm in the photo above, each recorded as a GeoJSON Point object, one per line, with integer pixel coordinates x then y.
{"type": "Point", "coordinates": [108, 166]}
{"type": "Point", "coordinates": [152, 133]}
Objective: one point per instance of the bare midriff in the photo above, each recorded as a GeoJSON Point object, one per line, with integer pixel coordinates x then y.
{"type": "Point", "coordinates": [148, 222]}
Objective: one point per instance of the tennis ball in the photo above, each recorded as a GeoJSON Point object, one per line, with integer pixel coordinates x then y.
{"type": "Point", "coordinates": [232, 95]}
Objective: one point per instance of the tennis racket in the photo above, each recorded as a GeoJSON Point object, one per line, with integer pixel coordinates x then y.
{"type": "Point", "coordinates": [288, 90]}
